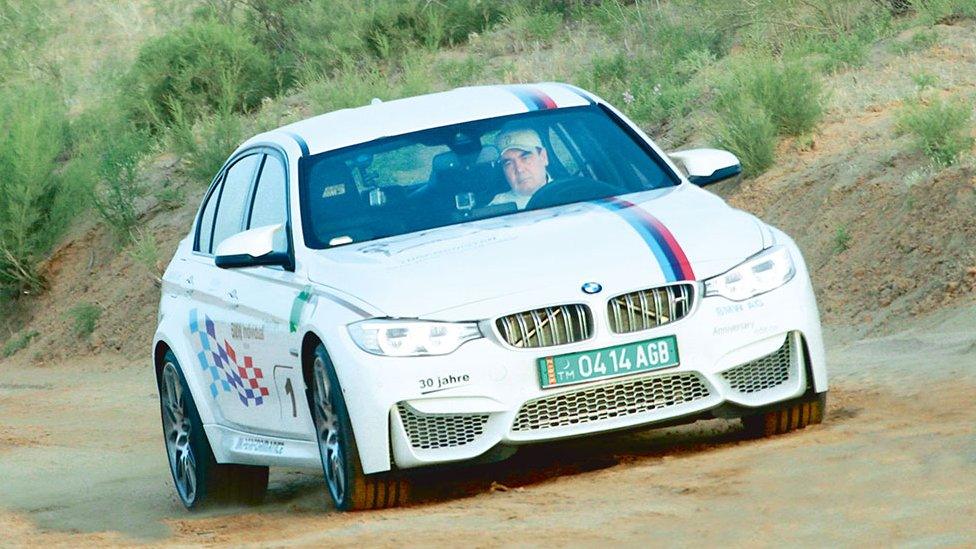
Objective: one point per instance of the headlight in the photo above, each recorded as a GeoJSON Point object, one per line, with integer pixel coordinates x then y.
{"type": "Point", "coordinates": [412, 337]}
{"type": "Point", "coordinates": [759, 274]}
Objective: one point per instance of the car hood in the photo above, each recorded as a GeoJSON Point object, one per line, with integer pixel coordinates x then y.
{"type": "Point", "coordinates": [543, 257]}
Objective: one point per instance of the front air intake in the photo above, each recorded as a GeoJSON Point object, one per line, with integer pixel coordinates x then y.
{"type": "Point", "coordinates": [764, 373]}
{"type": "Point", "coordinates": [436, 431]}
{"type": "Point", "coordinates": [611, 401]}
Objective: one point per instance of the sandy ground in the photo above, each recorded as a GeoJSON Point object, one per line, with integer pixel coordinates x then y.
{"type": "Point", "coordinates": [82, 461]}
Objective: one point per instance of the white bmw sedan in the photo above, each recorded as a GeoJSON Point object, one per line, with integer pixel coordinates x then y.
{"type": "Point", "coordinates": [446, 277]}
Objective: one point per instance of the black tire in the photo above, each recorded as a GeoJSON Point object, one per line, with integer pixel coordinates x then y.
{"type": "Point", "coordinates": [206, 482]}
{"type": "Point", "coordinates": [790, 418]}
{"type": "Point", "coordinates": [349, 488]}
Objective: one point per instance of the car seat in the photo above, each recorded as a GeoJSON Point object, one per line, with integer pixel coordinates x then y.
{"type": "Point", "coordinates": [336, 205]}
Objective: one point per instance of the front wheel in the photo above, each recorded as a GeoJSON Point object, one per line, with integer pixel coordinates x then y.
{"type": "Point", "coordinates": [349, 488]}
{"type": "Point", "coordinates": [199, 479]}
{"type": "Point", "coordinates": [798, 415]}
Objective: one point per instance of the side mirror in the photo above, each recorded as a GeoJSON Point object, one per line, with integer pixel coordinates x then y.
{"type": "Point", "coordinates": [253, 248]}
{"type": "Point", "coordinates": [707, 166]}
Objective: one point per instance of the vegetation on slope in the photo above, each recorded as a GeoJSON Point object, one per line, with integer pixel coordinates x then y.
{"type": "Point", "coordinates": [742, 75]}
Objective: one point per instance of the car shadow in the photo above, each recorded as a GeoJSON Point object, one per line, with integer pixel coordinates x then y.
{"type": "Point", "coordinates": [532, 464]}
{"type": "Point", "coordinates": [538, 463]}
{"type": "Point", "coordinates": [294, 490]}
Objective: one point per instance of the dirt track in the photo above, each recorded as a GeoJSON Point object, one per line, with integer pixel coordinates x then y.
{"type": "Point", "coordinates": [81, 461]}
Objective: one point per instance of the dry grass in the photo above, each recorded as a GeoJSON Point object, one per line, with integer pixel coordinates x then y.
{"type": "Point", "coordinates": [96, 40]}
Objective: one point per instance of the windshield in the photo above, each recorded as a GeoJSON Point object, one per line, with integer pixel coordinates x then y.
{"type": "Point", "coordinates": [475, 170]}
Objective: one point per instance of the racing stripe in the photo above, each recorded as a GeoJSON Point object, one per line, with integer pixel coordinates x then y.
{"type": "Point", "coordinates": [301, 142]}
{"type": "Point", "coordinates": [578, 92]}
{"type": "Point", "coordinates": [533, 98]}
{"type": "Point", "coordinates": [672, 259]}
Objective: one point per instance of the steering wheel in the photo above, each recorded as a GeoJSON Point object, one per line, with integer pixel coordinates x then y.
{"type": "Point", "coordinates": [571, 189]}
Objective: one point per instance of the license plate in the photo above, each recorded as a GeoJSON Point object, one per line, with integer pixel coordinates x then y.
{"type": "Point", "coordinates": [632, 358]}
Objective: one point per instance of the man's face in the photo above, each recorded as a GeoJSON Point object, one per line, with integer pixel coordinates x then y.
{"type": "Point", "coordinates": [525, 170]}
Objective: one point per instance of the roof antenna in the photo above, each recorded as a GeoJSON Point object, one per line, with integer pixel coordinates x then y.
{"type": "Point", "coordinates": [376, 101]}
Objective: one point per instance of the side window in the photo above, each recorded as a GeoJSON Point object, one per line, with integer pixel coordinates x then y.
{"type": "Point", "coordinates": [233, 199]}
{"type": "Point", "coordinates": [206, 221]}
{"type": "Point", "coordinates": [270, 207]}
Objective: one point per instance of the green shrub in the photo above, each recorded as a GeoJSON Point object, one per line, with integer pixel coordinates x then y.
{"type": "Point", "coordinates": [105, 155]}
{"type": "Point", "coordinates": [925, 38]}
{"type": "Point", "coordinates": [33, 208]}
{"type": "Point", "coordinates": [788, 92]}
{"type": "Point", "coordinates": [944, 11]}
{"type": "Point", "coordinates": [205, 143]}
{"type": "Point", "coordinates": [204, 67]}
{"type": "Point", "coordinates": [23, 31]}
{"type": "Point", "coordinates": [145, 252]}
{"type": "Point", "coordinates": [895, 7]}
{"type": "Point", "coordinates": [837, 33]}
{"type": "Point", "coordinates": [845, 41]}
{"type": "Point", "coordinates": [170, 197]}
{"type": "Point", "coordinates": [346, 88]}
{"type": "Point", "coordinates": [842, 240]}
{"type": "Point", "coordinates": [117, 188]}
{"type": "Point", "coordinates": [653, 81]}
{"type": "Point", "coordinates": [922, 39]}
{"type": "Point", "coordinates": [747, 130]}
{"type": "Point", "coordinates": [924, 80]}
{"type": "Point", "coordinates": [307, 38]}
{"type": "Point", "coordinates": [532, 26]}
{"type": "Point", "coordinates": [396, 26]}
{"type": "Point", "coordinates": [17, 343]}
{"type": "Point", "coordinates": [84, 319]}
{"type": "Point", "coordinates": [941, 129]}
{"type": "Point", "coordinates": [567, 9]}
{"type": "Point", "coordinates": [460, 72]}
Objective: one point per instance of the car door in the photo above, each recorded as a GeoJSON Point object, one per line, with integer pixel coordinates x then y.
{"type": "Point", "coordinates": [266, 297]}
{"type": "Point", "coordinates": [238, 324]}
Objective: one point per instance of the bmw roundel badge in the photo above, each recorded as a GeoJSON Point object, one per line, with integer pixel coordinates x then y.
{"type": "Point", "coordinates": [592, 288]}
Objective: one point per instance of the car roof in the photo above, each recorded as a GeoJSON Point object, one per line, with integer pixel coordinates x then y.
{"type": "Point", "coordinates": [346, 127]}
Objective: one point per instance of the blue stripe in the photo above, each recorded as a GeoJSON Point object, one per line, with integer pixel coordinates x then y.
{"type": "Point", "coordinates": [578, 92]}
{"type": "Point", "coordinates": [301, 143]}
{"type": "Point", "coordinates": [634, 217]}
{"type": "Point", "coordinates": [665, 258]}
{"type": "Point", "coordinates": [531, 102]}
{"type": "Point", "coordinates": [661, 242]}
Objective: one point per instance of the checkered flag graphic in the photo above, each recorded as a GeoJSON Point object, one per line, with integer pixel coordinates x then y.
{"type": "Point", "coordinates": [221, 363]}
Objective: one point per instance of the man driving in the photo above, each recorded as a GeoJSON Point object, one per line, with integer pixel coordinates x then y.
{"type": "Point", "coordinates": [523, 160]}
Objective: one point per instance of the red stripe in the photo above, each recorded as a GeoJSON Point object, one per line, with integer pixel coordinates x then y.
{"type": "Point", "coordinates": [679, 254]}
{"type": "Point", "coordinates": [546, 100]}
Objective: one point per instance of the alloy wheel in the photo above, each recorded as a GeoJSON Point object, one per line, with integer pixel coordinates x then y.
{"type": "Point", "coordinates": [176, 427]}
{"type": "Point", "coordinates": [328, 429]}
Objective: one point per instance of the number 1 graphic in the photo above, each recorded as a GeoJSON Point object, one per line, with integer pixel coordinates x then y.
{"type": "Point", "coordinates": [290, 391]}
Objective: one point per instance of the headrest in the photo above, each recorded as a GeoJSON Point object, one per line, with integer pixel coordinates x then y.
{"type": "Point", "coordinates": [331, 179]}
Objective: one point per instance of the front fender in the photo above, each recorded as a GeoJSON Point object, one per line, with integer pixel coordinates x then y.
{"type": "Point", "coordinates": [327, 321]}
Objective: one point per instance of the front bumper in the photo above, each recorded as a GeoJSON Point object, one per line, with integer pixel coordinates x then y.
{"type": "Point", "coordinates": [457, 407]}
{"type": "Point", "coordinates": [420, 438]}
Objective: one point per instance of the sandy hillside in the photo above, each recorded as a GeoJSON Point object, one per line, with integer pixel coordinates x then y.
{"type": "Point", "coordinates": [910, 227]}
